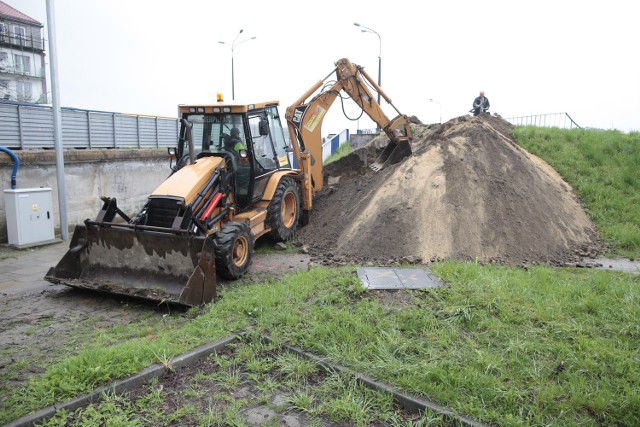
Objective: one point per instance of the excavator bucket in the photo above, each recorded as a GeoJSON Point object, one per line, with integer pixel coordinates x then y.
{"type": "Point", "coordinates": [393, 153]}
{"type": "Point", "coordinates": [150, 265]}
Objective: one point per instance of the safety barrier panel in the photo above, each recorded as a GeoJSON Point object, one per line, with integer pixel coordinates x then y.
{"type": "Point", "coordinates": [331, 144]}
{"type": "Point", "coordinates": [30, 126]}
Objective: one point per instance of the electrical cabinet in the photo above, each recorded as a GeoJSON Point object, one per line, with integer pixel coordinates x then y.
{"type": "Point", "coordinates": [29, 216]}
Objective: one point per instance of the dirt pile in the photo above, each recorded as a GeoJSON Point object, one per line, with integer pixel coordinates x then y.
{"type": "Point", "coordinates": [467, 192]}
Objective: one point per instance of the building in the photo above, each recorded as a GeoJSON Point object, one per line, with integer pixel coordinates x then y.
{"type": "Point", "coordinates": [22, 66]}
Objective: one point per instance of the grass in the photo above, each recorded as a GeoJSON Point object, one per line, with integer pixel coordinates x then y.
{"type": "Point", "coordinates": [508, 346]}
{"type": "Point", "coordinates": [320, 396]}
{"type": "Point", "coordinates": [602, 166]}
{"type": "Point", "coordinates": [343, 150]}
{"type": "Point", "coordinates": [541, 346]}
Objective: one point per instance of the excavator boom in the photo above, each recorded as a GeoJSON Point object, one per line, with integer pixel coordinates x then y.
{"type": "Point", "coordinates": [304, 120]}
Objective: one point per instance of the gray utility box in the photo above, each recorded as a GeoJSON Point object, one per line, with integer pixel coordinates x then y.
{"type": "Point", "coordinates": [29, 217]}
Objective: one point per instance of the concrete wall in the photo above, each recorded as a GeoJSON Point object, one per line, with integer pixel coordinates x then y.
{"type": "Point", "coordinates": [357, 140]}
{"type": "Point", "coordinates": [129, 175]}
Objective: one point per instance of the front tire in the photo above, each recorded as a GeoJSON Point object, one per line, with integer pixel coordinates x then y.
{"type": "Point", "coordinates": [284, 210]}
{"type": "Point", "coordinates": [233, 250]}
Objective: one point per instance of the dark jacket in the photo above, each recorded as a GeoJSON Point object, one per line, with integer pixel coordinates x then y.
{"type": "Point", "coordinates": [480, 105]}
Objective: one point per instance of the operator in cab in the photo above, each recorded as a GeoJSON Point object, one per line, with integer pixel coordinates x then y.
{"type": "Point", "coordinates": [234, 142]}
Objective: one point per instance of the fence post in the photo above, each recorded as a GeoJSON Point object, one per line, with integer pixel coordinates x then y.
{"type": "Point", "coordinates": [20, 128]}
{"type": "Point", "coordinates": [138, 129]}
{"type": "Point", "coordinates": [115, 130]}
{"type": "Point", "coordinates": [89, 128]}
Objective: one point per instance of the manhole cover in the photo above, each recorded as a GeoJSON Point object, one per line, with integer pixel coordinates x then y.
{"type": "Point", "coordinates": [398, 278]}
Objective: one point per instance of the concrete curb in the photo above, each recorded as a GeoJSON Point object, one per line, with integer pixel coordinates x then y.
{"type": "Point", "coordinates": [153, 371]}
{"type": "Point", "coordinates": [410, 403]}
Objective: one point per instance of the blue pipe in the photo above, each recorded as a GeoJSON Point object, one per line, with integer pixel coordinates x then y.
{"type": "Point", "coordinates": [16, 164]}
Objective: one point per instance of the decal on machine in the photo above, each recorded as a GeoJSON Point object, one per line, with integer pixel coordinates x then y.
{"type": "Point", "coordinates": [297, 114]}
{"type": "Point", "coordinates": [315, 119]}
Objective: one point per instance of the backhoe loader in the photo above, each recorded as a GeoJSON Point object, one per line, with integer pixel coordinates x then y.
{"type": "Point", "coordinates": [235, 179]}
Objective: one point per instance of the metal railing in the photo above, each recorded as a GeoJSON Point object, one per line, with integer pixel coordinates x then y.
{"type": "Point", "coordinates": [559, 120]}
{"type": "Point", "coordinates": [18, 40]}
{"type": "Point", "coordinates": [372, 131]}
{"type": "Point", "coordinates": [38, 72]}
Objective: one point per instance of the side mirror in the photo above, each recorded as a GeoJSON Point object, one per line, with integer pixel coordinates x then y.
{"type": "Point", "coordinates": [263, 127]}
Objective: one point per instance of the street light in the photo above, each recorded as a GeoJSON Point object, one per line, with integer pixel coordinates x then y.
{"type": "Point", "coordinates": [369, 30]}
{"type": "Point", "coordinates": [433, 100]}
{"type": "Point", "coordinates": [232, 46]}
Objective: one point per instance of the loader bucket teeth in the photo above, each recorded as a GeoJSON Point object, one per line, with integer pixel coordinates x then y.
{"type": "Point", "coordinates": [154, 266]}
{"type": "Point", "coordinates": [392, 154]}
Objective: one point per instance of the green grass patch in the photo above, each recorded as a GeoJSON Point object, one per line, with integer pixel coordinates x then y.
{"type": "Point", "coordinates": [343, 150]}
{"type": "Point", "coordinates": [602, 166]}
{"type": "Point", "coordinates": [301, 385]}
{"type": "Point", "coordinates": [502, 345]}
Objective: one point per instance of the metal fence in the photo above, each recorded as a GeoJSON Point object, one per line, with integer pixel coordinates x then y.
{"type": "Point", "coordinates": [559, 120]}
{"type": "Point", "coordinates": [30, 126]}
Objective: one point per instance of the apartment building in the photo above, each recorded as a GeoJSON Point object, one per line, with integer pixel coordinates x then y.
{"type": "Point", "coordinates": [22, 57]}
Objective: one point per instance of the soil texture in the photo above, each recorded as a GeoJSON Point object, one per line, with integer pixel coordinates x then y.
{"type": "Point", "coordinates": [468, 192]}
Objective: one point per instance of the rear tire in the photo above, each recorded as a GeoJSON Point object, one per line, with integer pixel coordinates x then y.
{"type": "Point", "coordinates": [233, 250]}
{"type": "Point", "coordinates": [284, 210]}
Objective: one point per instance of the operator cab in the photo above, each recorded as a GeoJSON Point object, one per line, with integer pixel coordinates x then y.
{"type": "Point", "coordinates": [250, 137]}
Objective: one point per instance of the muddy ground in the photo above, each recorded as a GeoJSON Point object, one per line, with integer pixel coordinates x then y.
{"type": "Point", "coordinates": [43, 323]}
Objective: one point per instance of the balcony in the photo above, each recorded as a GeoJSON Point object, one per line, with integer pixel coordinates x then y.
{"type": "Point", "coordinates": [38, 73]}
{"type": "Point", "coordinates": [22, 42]}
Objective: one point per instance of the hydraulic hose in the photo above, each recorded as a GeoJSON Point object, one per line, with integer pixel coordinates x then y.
{"type": "Point", "coordinates": [16, 164]}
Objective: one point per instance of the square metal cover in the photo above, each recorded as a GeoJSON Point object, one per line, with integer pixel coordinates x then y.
{"type": "Point", "coordinates": [398, 278]}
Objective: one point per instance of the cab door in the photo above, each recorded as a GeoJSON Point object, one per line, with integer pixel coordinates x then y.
{"type": "Point", "coordinates": [270, 149]}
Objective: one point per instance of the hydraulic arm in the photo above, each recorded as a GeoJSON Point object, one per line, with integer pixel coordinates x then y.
{"type": "Point", "coordinates": [304, 120]}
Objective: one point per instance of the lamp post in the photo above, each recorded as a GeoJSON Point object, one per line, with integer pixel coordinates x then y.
{"type": "Point", "coordinates": [433, 100]}
{"type": "Point", "coordinates": [369, 30]}
{"type": "Point", "coordinates": [232, 46]}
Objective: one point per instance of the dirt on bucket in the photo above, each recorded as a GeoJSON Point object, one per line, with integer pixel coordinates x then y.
{"type": "Point", "coordinates": [468, 192]}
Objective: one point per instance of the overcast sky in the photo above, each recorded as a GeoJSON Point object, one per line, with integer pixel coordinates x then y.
{"type": "Point", "coordinates": [530, 57]}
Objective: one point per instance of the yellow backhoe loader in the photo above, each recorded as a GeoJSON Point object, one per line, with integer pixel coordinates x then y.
{"type": "Point", "coordinates": [235, 178]}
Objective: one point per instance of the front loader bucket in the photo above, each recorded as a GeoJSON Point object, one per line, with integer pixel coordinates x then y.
{"type": "Point", "coordinates": [392, 154]}
{"type": "Point", "coordinates": [150, 265]}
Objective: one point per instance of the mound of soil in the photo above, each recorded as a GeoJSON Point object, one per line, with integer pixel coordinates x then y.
{"type": "Point", "coordinates": [468, 192]}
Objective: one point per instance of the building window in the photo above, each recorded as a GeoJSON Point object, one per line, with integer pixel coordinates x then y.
{"type": "Point", "coordinates": [22, 64]}
{"type": "Point", "coordinates": [23, 91]}
{"type": "Point", "coordinates": [4, 59]}
{"type": "Point", "coordinates": [4, 90]}
{"type": "Point", "coordinates": [20, 35]}
{"type": "Point", "coordinates": [4, 33]}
